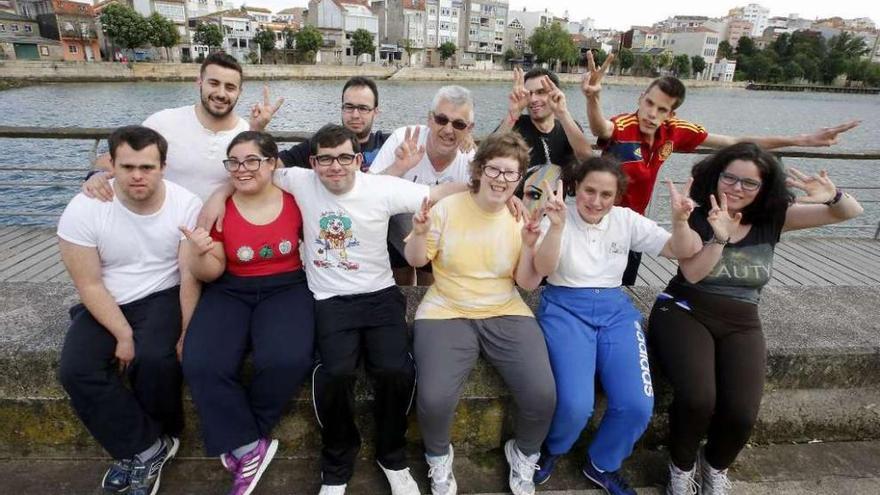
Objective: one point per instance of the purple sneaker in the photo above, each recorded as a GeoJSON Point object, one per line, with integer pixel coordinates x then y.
{"type": "Point", "coordinates": [251, 466]}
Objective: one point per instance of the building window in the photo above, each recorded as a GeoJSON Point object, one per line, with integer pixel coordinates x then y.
{"type": "Point", "coordinates": [44, 51]}
{"type": "Point", "coordinates": [13, 27]}
{"type": "Point", "coordinates": [2, 28]}
{"type": "Point", "coordinates": [28, 28]}
{"type": "Point", "coordinates": [72, 49]}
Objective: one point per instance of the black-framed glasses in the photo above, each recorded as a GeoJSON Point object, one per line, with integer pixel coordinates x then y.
{"type": "Point", "coordinates": [251, 163]}
{"type": "Point", "coordinates": [349, 108]}
{"type": "Point", "coordinates": [442, 120]}
{"type": "Point", "coordinates": [327, 160]}
{"type": "Point", "coordinates": [508, 175]}
{"type": "Point", "coordinates": [747, 184]}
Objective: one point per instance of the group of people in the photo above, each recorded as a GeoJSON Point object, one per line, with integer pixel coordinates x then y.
{"type": "Point", "coordinates": [199, 242]}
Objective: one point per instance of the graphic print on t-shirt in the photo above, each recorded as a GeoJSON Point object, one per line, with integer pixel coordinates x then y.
{"type": "Point", "coordinates": [748, 266]}
{"type": "Point", "coordinates": [335, 236]}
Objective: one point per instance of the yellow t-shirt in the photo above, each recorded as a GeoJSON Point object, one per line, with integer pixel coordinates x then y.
{"type": "Point", "coordinates": [473, 255]}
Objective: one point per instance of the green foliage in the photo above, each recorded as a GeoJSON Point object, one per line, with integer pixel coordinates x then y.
{"type": "Point", "coordinates": [698, 64]}
{"type": "Point", "coordinates": [552, 44]}
{"type": "Point", "coordinates": [625, 59]}
{"type": "Point", "coordinates": [308, 39]}
{"type": "Point", "coordinates": [266, 39]}
{"type": "Point", "coordinates": [725, 50]}
{"type": "Point", "coordinates": [746, 46]}
{"type": "Point", "coordinates": [289, 35]}
{"type": "Point", "coordinates": [681, 66]}
{"type": "Point", "coordinates": [644, 65]}
{"type": "Point", "coordinates": [664, 60]}
{"type": "Point", "coordinates": [792, 71]}
{"type": "Point", "coordinates": [163, 33]}
{"type": "Point", "coordinates": [599, 56]}
{"type": "Point", "coordinates": [447, 50]}
{"type": "Point", "coordinates": [125, 27]}
{"type": "Point", "coordinates": [362, 42]}
{"type": "Point", "coordinates": [209, 35]}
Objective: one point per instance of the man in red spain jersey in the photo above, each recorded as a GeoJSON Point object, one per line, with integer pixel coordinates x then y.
{"type": "Point", "coordinates": [644, 139]}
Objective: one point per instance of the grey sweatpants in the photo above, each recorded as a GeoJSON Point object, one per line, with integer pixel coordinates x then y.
{"type": "Point", "coordinates": [446, 352]}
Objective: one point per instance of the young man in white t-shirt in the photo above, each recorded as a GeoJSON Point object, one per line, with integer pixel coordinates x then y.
{"type": "Point", "coordinates": [199, 134]}
{"type": "Point", "coordinates": [427, 154]}
{"type": "Point", "coordinates": [123, 257]}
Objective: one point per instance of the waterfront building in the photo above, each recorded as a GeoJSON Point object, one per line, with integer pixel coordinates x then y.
{"type": "Point", "coordinates": [20, 40]}
{"type": "Point", "coordinates": [754, 13]}
{"type": "Point", "coordinates": [484, 33]}
{"type": "Point", "coordinates": [7, 6]}
{"type": "Point", "coordinates": [259, 14]}
{"type": "Point", "coordinates": [402, 23]}
{"type": "Point", "coordinates": [70, 23]}
{"type": "Point", "coordinates": [515, 38]}
{"type": "Point", "coordinates": [445, 20]}
{"type": "Point", "coordinates": [640, 37]}
{"type": "Point", "coordinates": [722, 70]}
{"type": "Point", "coordinates": [700, 41]}
{"type": "Point", "coordinates": [295, 17]}
{"type": "Point", "coordinates": [338, 20]}
{"type": "Point", "coordinates": [679, 22]}
{"type": "Point", "coordinates": [239, 29]}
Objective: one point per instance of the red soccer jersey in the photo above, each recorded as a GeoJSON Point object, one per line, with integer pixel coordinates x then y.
{"type": "Point", "coordinates": [257, 250]}
{"type": "Point", "coordinates": [641, 162]}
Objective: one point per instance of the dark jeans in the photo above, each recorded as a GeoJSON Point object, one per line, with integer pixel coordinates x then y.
{"type": "Point", "coordinates": [272, 317]}
{"type": "Point", "coordinates": [126, 421]}
{"type": "Point", "coordinates": [632, 269]}
{"type": "Point", "coordinates": [348, 327]}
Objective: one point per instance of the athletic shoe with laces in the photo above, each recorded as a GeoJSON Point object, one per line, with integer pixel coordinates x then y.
{"type": "Point", "coordinates": [117, 477]}
{"type": "Point", "coordinates": [252, 465]}
{"type": "Point", "coordinates": [401, 481]}
{"type": "Point", "coordinates": [547, 462]}
{"type": "Point", "coordinates": [610, 481]}
{"type": "Point", "coordinates": [440, 474]}
{"type": "Point", "coordinates": [522, 469]}
{"type": "Point", "coordinates": [713, 481]}
{"type": "Point", "coordinates": [682, 482]}
{"type": "Point", "coordinates": [332, 490]}
{"type": "Point", "coordinates": [145, 475]}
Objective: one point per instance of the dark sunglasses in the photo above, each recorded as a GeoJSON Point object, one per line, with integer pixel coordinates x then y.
{"type": "Point", "coordinates": [442, 120]}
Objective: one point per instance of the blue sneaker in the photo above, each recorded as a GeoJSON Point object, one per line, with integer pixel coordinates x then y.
{"type": "Point", "coordinates": [145, 475]}
{"type": "Point", "coordinates": [117, 478]}
{"type": "Point", "coordinates": [610, 481]}
{"type": "Point", "coordinates": [547, 462]}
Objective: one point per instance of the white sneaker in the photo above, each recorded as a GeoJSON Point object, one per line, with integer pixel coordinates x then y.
{"type": "Point", "coordinates": [681, 482]}
{"type": "Point", "coordinates": [332, 490]}
{"type": "Point", "coordinates": [713, 481]}
{"type": "Point", "coordinates": [522, 469]}
{"type": "Point", "coordinates": [402, 483]}
{"type": "Point", "coordinates": [440, 474]}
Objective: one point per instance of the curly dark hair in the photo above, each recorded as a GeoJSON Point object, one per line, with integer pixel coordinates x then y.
{"type": "Point", "coordinates": [573, 175]}
{"type": "Point", "coordinates": [264, 141]}
{"type": "Point", "coordinates": [773, 195]}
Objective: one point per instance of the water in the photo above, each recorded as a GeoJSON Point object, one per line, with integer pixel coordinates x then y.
{"type": "Point", "coordinates": [310, 104]}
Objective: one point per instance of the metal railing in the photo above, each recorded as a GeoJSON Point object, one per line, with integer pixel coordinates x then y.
{"type": "Point", "coordinates": [98, 134]}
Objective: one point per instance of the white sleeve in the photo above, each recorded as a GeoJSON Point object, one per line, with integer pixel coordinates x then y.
{"type": "Point", "coordinates": [153, 122]}
{"type": "Point", "coordinates": [403, 196]}
{"type": "Point", "coordinates": [646, 236]}
{"type": "Point", "coordinates": [385, 157]}
{"type": "Point", "coordinates": [78, 222]}
{"type": "Point", "coordinates": [191, 209]}
{"type": "Point", "coordinates": [292, 179]}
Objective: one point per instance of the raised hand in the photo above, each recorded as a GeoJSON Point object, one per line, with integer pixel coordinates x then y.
{"type": "Point", "coordinates": [519, 96]}
{"type": "Point", "coordinates": [555, 97]}
{"type": "Point", "coordinates": [819, 188]}
{"type": "Point", "coordinates": [591, 84]}
{"type": "Point", "coordinates": [828, 136]}
{"type": "Point", "coordinates": [262, 113]}
{"type": "Point", "coordinates": [723, 225]}
{"type": "Point", "coordinates": [98, 186]}
{"type": "Point", "coordinates": [409, 153]}
{"type": "Point", "coordinates": [422, 218]}
{"type": "Point", "coordinates": [554, 205]}
{"type": "Point", "coordinates": [199, 239]}
{"type": "Point", "coordinates": [680, 203]}
{"type": "Point", "coordinates": [531, 227]}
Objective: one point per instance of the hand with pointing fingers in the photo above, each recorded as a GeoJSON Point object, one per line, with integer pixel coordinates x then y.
{"type": "Point", "coordinates": [828, 136]}
{"type": "Point", "coordinates": [519, 96]}
{"type": "Point", "coordinates": [554, 206]}
{"type": "Point", "coordinates": [680, 203]}
{"type": "Point", "coordinates": [531, 229]}
{"type": "Point", "coordinates": [555, 97]}
{"type": "Point", "coordinates": [410, 152]}
{"type": "Point", "coordinates": [199, 238]}
{"type": "Point", "coordinates": [262, 113]}
{"type": "Point", "coordinates": [591, 84]}
{"type": "Point", "coordinates": [723, 225]}
{"type": "Point", "coordinates": [819, 188]}
{"type": "Point", "coordinates": [422, 218]}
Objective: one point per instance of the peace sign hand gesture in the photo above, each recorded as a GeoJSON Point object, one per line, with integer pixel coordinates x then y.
{"type": "Point", "coordinates": [262, 113]}
{"type": "Point", "coordinates": [531, 227]}
{"type": "Point", "coordinates": [422, 218]}
{"type": "Point", "coordinates": [591, 84]}
{"type": "Point", "coordinates": [680, 202]}
{"type": "Point", "coordinates": [199, 239]}
{"type": "Point", "coordinates": [554, 207]}
{"type": "Point", "coordinates": [519, 96]}
{"type": "Point", "coordinates": [819, 188]}
{"type": "Point", "coordinates": [719, 218]}
{"type": "Point", "coordinates": [409, 153]}
{"type": "Point", "coordinates": [555, 97]}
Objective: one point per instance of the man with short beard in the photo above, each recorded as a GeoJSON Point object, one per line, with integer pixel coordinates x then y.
{"type": "Point", "coordinates": [198, 134]}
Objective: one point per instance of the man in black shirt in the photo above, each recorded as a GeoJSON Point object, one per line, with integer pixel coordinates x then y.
{"type": "Point", "coordinates": [555, 138]}
{"type": "Point", "coordinates": [360, 105]}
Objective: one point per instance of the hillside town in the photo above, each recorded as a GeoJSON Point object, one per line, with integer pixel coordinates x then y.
{"type": "Point", "coordinates": [465, 34]}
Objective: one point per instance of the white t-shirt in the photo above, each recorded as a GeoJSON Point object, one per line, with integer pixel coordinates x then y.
{"type": "Point", "coordinates": [195, 154]}
{"type": "Point", "coordinates": [423, 172]}
{"type": "Point", "coordinates": [344, 247]}
{"type": "Point", "coordinates": [138, 252]}
{"type": "Point", "coordinates": [596, 255]}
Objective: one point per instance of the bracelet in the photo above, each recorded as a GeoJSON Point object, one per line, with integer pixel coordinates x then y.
{"type": "Point", "coordinates": [715, 240]}
{"type": "Point", "coordinates": [93, 172]}
{"type": "Point", "coordinates": [836, 199]}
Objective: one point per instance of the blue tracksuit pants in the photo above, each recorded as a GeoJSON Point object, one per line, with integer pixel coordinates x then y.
{"type": "Point", "coordinates": [589, 333]}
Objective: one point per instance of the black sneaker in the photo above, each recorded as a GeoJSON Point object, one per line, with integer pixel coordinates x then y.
{"type": "Point", "coordinates": [610, 481]}
{"type": "Point", "coordinates": [145, 475]}
{"type": "Point", "coordinates": [118, 477]}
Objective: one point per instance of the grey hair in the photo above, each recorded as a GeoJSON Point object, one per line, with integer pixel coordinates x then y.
{"type": "Point", "coordinates": [456, 95]}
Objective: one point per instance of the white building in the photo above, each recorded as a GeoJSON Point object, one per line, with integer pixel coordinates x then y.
{"type": "Point", "coordinates": [759, 17]}
{"type": "Point", "coordinates": [700, 41]}
{"type": "Point", "coordinates": [338, 20]}
{"type": "Point", "coordinates": [723, 70]}
{"type": "Point", "coordinates": [238, 29]}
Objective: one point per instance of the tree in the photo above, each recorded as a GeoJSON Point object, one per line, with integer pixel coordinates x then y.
{"type": "Point", "coordinates": [644, 65]}
{"type": "Point", "coordinates": [746, 46]}
{"type": "Point", "coordinates": [163, 34]}
{"type": "Point", "coordinates": [308, 41]}
{"type": "Point", "coordinates": [447, 50]}
{"type": "Point", "coordinates": [209, 35]}
{"type": "Point", "coordinates": [553, 45]}
{"type": "Point", "coordinates": [791, 71]}
{"type": "Point", "coordinates": [288, 34]}
{"type": "Point", "coordinates": [698, 64]}
{"type": "Point", "coordinates": [625, 59]}
{"type": "Point", "coordinates": [725, 50]}
{"type": "Point", "coordinates": [599, 57]}
{"type": "Point", "coordinates": [361, 43]}
{"type": "Point", "coordinates": [265, 39]}
{"type": "Point", "coordinates": [681, 66]}
{"type": "Point", "coordinates": [408, 47]}
{"type": "Point", "coordinates": [664, 61]}
{"type": "Point", "coordinates": [125, 27]}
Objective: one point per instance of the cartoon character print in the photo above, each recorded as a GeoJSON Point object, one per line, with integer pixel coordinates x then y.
{"type": "Point", "coordinates": [335, 236]}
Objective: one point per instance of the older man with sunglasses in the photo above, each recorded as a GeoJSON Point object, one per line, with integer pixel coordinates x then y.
{"type": "Point", "coordinates": [427, 154]}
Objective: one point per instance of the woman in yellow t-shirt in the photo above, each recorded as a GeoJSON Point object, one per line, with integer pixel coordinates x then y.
{"type": "Point", "coordinates": [478, 251]}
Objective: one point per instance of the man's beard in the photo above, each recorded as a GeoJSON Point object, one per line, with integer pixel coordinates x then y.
{"type": "Point", "coordinates": [206, 104]}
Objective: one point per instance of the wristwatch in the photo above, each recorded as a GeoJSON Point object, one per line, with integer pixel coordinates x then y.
{"type": "Point", "coordinates": [837, 195]}
{"type": "Point", "coordinates": [715, 240]}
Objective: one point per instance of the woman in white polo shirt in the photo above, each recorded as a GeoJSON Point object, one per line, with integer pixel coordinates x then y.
{"type": "Point", "coordinates": [589, 323]}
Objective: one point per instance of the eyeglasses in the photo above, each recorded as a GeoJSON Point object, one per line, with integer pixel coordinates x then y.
{"type": "Point", "coordinates": [349, 108]}
{"type": "Point", "coordinates": [747, 184]}
{"type": "Point", "coordinates": [327, 160]}
{"type": "Point", "coordinates": [251, 163]}
{"type": "Point", "coordinates": [509, 175]}
{"type": "Point", "coordinates": [442, 120]}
